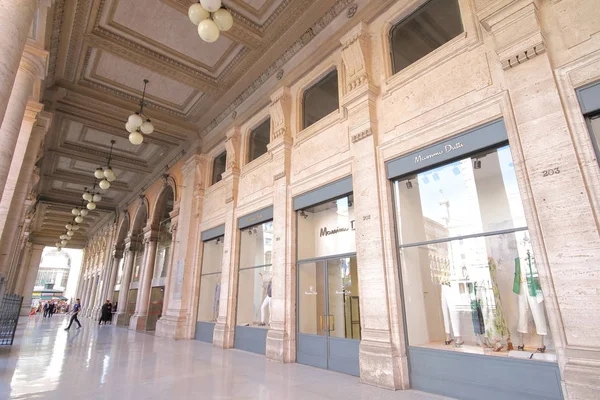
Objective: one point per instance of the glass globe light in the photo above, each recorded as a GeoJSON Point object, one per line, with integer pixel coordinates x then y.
{"type": "Point", "coordinates": [109, 174]}
{"type": "Point", "coordinates": [135, 120]}
{"type": "Point", "coordinates": [69, 226]}
{"type": "Point", "coordinates": [70, 233]}
{"type": "Point", "coordinates": [84, 212]}
{"type": "Point", "coordinates": [136, 138]}
{"type": "Point", "coordinates": [78, 219]}
{"type": "Point", "coordinates": [75, 227]}
{"type": "Point", "coordinates": [130, 128]}
{"type": "Point", "coordinates": [68, 238]}
{"type": "Point", "coordinates": [63, 237]}
{"type": "Point", "coordinates": [96, 198]}
{"type": "Point", "coordinates": [91, 205]}
{"type": "Point", "coordinates": [197, 13]}
{"type": "Point", "coordinates": [75, 211]}
{"type": "Point", "coordinates": [208, 31]}
{"type": "Point", "coordinates": [104, 184]}
{"type": "Point", "coordinates": [223, 19]}
{"type": "Point", "coordinates": [87, 196]}
{"type": "Point", "coordinates": [58, 248]}
{"type": "Point", "coordinates": [98, 173]}
{"type": "Point", "coordinates": [63, 242]}
{"type": "Point", "coordinates": [57, 244]}
{"type": "Point", "coordinates": [147, 127]}
{"type": "Point", "coordinates": [211, 5]}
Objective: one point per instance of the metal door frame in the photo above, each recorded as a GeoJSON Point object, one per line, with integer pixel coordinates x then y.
{"type": "Point", "coordinates": [326, 337]}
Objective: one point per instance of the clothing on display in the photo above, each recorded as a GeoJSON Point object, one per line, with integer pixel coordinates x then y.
{"type": "Point", "coordinates": [451, 317]}
{"type": "Point", "coordinates": [530, 297]}
{"type": "Point", "coordinates": [476, 313]}
{"type": "Point", "coordinates": [266, 305]}
{"type": "Point", "coordinates": [216, 300]}
{"type": "Point", "coordinates": [500, 331]}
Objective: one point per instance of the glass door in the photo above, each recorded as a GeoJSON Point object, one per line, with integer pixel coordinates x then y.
{"type": "Point", "coordinates": [329, 314]}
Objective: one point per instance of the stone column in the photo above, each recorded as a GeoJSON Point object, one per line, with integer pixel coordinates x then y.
{"type": "Point", "coordinates": [140, 317]}
{"type": "Point", "coordinates": [558, 207]}
{"type": "Point", "coordinates": [16, 190]}
{"type": "Point", "coordinates": [120, 318]}
{"type": "Point", "coordinates": [31, 68]}
{"type": "Point", "coordinates": [32, 271]}
{"type": "Point", "coordinates": [177, 321]}
{"type": "Point", "coordinates": [225, 327]}
{"type": "Point", "coordinates": [16, 18]}
{"type": "Point", "coordinates": [95, 280]}
{"type": "Point", "coordinates": [23, 267]}
{"type": "Point", "coordinates": [174, 225]}
{"type": "Point", "coordinates": [281, 338]}
{"type": "Point", "coordinates": [114, 272]}
{"type": "Point", "coordinates": [383, 360]}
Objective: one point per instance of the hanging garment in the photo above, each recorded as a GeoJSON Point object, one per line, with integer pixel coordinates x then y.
{"type": "Point", "coordinates": [451, 318]}
{"type": "Point", "coordinates": [529, 302]}
{"type": "Point", "coordinates": [476, 313]}
{"type": "Point", "coordinates": [500, 328]}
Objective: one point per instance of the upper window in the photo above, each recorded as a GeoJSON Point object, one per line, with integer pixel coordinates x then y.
{"type": "Point", "coordinates": [320, 100]}
{"type": "Point", "coordinates": [219, 165]}
{"type": "Point", "coordinates": [259, 139]}
{"type": "Point", "coordinates": [594, 126]}
{"type": "Point", "coordinates": [432, 25]}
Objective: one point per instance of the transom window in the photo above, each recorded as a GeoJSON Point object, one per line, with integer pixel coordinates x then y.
{"type": "Point", "coordinates": [320, 100]}
{"type": "Point", "coordinates": [219, 166]}
{"type": "Point", "coordinates": [428, 28]}
{"type": "Point", "coordinates": [259, 140]}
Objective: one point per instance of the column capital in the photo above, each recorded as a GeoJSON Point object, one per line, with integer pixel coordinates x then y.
{"type": "Point", "coordinates": [35, 61]}
{"type": "Point", "coordinates": [32, 109]}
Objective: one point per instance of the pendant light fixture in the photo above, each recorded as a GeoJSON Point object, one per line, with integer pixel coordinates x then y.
{"type": "Point", "coordinates": [136, 125]}
{"type": "Point", "coordinates": [105, 174]}
{"type": "Point", "coordinates": [210, 18]}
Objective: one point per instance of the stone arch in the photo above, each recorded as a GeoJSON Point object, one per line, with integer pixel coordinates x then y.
{"type": "Point", "coordinates": [122, 230]}
{"type": "Point", "coordinates": [141, 217]}
{"type": "Point", "coordinates": [165, 203]}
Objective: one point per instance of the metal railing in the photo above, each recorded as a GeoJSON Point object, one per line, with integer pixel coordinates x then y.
{"type": "Point", "coordinates": [10, 308]}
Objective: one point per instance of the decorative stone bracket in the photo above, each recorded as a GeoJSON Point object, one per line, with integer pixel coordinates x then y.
{"type": "Point", "coordinates": [354, 54]}
{"type": "Point", "coordinates": [280, 110]}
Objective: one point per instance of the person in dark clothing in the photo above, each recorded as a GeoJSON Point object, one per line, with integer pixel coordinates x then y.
{"type": "Point", "coordinates": [76, 309]}
{"type": "Point", "coordinates": [106, 313]}
{"type": "Point", "coordinates": [45, 310]}
{"type": "Point", "coordinates": [51, 309]}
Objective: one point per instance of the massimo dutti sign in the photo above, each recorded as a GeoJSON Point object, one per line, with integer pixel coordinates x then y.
{"type": "Point", "coordinates": [328, 232]}
{"type": "Point", "coordinates": [466, 143]}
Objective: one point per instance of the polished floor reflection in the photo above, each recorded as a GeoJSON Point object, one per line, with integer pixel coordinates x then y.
{"type": "Point", "coordinates": [104, 362]}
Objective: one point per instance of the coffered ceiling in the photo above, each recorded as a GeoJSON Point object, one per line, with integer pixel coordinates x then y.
{"type": "Point", "coordinates": [100, 52]}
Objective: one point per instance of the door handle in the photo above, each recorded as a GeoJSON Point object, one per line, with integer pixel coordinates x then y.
{"type": "Point", "coordinates": [321, 322]}
{"type": "Point", "coordinates": [331, 323]}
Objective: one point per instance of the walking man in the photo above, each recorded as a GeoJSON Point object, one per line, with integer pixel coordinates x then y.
{"type": "Point", "coordinates": [45, 310]}
{"type": "Point", "coordinates": [76, 308]}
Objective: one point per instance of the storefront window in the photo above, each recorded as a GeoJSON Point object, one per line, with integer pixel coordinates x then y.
{"type": "Point", "coordinates": [137, 264]}
{"type": "Point", "coordinates": [327, 229]}
{"type": "Point", "coordinates": [594, 126]}
{"type": "Point", "coordinates": [120, 270]}
{"type": "Point", "coordinates": [210, 280]}
{"type": "Point", "coordinates": [163, 249]}
{"type": "Point", "coordinates": [254, 282]}
{"type": "Point", "coordinates": [468, 269]}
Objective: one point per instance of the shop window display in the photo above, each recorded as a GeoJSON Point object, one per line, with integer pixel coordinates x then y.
{"type": "Point", "coordinates": [163, 249]}
{"type": "Point", "coordinates": [255, 274]}
{"type": "Point", "coordinates": [468, 269]}
{"type": "Point", "coordinates": [210, 280]}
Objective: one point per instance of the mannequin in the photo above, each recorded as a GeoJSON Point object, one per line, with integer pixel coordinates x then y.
{"type": "Point", "coordinates": [530, 297]}
{"type": "Point", "coordinates": [266, 304]}
{"type": "Point", "coordinates": [216, 299]}
{"type": "Point", "coordinates": [440, 273]}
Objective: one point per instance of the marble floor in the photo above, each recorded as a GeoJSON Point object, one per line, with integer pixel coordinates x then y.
{"type": "Point", "coordinates": [105, 362]}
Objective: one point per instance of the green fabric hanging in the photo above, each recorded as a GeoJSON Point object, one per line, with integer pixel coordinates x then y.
{"type": "Point", "coordinates": [531, 280]}
{"type": "Point", "coordinates": [517, 280]}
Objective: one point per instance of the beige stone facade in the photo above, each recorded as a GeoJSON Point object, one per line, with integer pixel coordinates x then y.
{"type": "Point", "coordinates": [521, 61]}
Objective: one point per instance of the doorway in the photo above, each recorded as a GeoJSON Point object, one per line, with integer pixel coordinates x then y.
{"type": "Point", "coordinates": [157, 296]}
{"type": "Point", "coordinates": [328, 318]}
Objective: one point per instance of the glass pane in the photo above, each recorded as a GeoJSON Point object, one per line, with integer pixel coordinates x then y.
{"type": "Point", "coordinates": [163, 250]}
{"type": "Point", "coordinates": [256, 247]}
{"type": "Point", "coordinates": [327, 229]}
{"type": "Point", "coordinates": [594, 122]}
{"type": "Point", "coordinates": [137, 264]}
{"type": "Point", "coordinates": [219, 166]}
{"type": "Point", "coordinates": [212, 256]}
{"type": "Point", "coordinates": [344, 312]}
{"type": "Point", "coordinates": [120, 270]}
{"type": "Point", "coordinates": [131, 300]}
{"type": "Point", "coordinates": [312, 317]}
{"type": "Point", "coordinates": [210, 292]}
{"type": "Point", "coordinates": [259, 139]}
{"type": "Point", "coordinates": [157, 295]}
{"type": "Point", "coordinates": [428, 28]}
{"type": "Point", "coordinates": [481, 294]}
{"type": "Point", "coordinates": [254, 297]}
{"type": "Point", "coordinates": [473, 195]}
{"type": "Point", "coordinates": [320, 100]}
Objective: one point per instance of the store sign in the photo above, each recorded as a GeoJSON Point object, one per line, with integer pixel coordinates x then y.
{"type": "Point", "coordinates": [326, 232]}
{"type": "Point", "coordinates": [446, 149]}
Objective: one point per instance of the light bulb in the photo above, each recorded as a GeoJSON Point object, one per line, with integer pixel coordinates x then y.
{"type": "Point", "coordinates": [63, 237]}
{"type": "Point", "coordinates": [223, 19]}
{"type": "Point", "coordinates": [130, 128]}
{"type": "Point", "coordinates": [70, 233]}
{"type": "Point", "coordinates": [109, 174]}
{"type": "Point", "coordinates": [135, 120]}
{"type": "Point", "coordinates": [91, 205]}
{"type": "Point", "coordinates": [84, 212]}
{"type": "Point", "coordinates": [147, 127]}
{"type": "Point", "coordinates": [75, 211]}
{"type": "Point", "coordinates": [63, 242]}
{"type": "Point", "coordinates": [208, 31]}
{"type": "Point", "coordinates": [98, 173]}
{"type": "Point", "coordinates": [68, 238]}
{"type": "Point", "coordinates": [75, 227]}
{"type": "Point", "coordinates": [104, 184]}
{"type": "Point", "coordinates": [87, 196]}
{"type": "Point", "coordinates": [96, 198]}
{"type": "Point", "coordinates": [136, 138]}
{"type": "Point", "coordinates": [197, 13]}
{"type": "Point", "coordinates": [58, 248]}
{"type": "Point", "coordinates": [69, 226]}
{"type": "Point", "coordinates": [57, 244]}
{"type": "Point", "coordinates": [211, 5]}
{"type": "Point", "coordinates": [79, 219]}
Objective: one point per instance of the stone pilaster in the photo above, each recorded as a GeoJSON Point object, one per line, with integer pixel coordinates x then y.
{"type": "Point", "coordinates": [120, 318]}
{"type": "Point", "coordinates": [177, 321]}
{"type": "Point", "coordinates": [382, 363]}
{"type": "Point", "coordinates": [225, 326]}
{"type": "Point", "coordinates": [116, 257]}
{"type": "Point", "coordinates": [23, 266]}
{"type": "Point", "coordinates": [569, 274]}
{"type": "Point", "coordinates": [32, 271]}
{"type": "Point", "coordinates": [140, 317]}
{"type": "Point", "coordinates": [281, 343]}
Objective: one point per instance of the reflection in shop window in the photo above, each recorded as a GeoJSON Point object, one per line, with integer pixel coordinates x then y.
{"type": "Point", "coordinates": [210, 280]}
{"type": "Point", "coordinates": [432, 25]}
{"type": "Point", "coordinates": [469, 273]}
{"type": "Point", "coordinates": [255, 275]}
